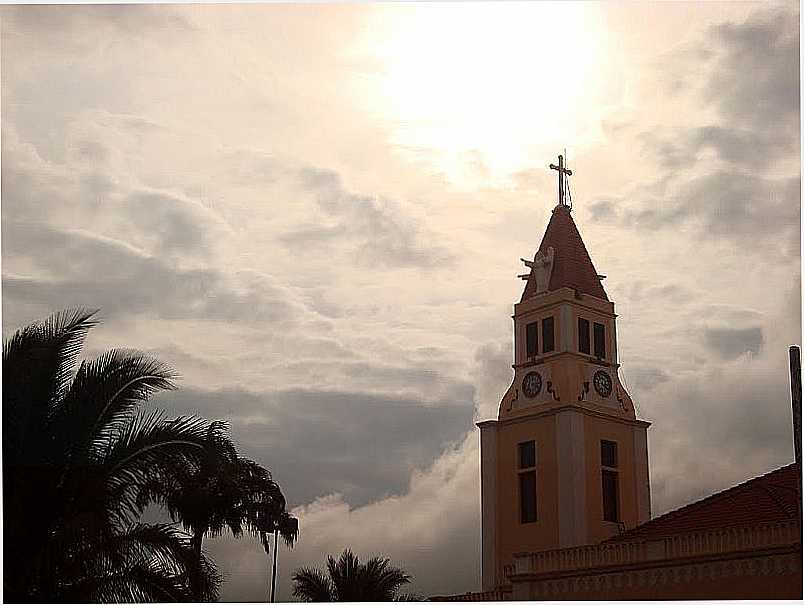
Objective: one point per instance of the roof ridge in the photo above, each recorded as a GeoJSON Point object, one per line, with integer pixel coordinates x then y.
{"type": "Point", "coordinates": [728, 493]}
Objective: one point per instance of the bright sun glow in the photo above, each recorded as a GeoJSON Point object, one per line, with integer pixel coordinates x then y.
{"type": "Point", "coordinates": [490, 84]}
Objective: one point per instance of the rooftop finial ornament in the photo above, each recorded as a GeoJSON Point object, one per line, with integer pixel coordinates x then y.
{"type": "Point", "coordinates": [563, 173]}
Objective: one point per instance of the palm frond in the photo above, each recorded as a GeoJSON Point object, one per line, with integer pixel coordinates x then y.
{"type": "Point", "coordinates": [103, 398]}
{"type": "Point", "coordinates": [149, 449]}
{"type": "Point", "coordinates": [37, 364]}
{"type": "Point", "coordinates": [344, 574]}
{"type": "Point", "coordinates": [147, 563]}
{"type": "Point", "coordinates": [205, 496]}
{"type": "Point", "coordinates": [288, 527]}
{"type": "Point", "coordinates": [38, 361]}
{"type": "Point", "coordinates": [312, 585]}
{"type": "Point", "coordinates": [350, 580]}
{"type": "Point", "coordinates": [178, 557]}
{"type": "Point", "coordinates": [81, 462]}
{"type": "Point", "coordinates": [383, 579]}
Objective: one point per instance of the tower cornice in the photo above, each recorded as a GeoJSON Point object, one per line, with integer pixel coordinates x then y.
{"type": "Point", "coordinates": [582, 357]}
{"type": "Point", "coordinates": [564, 295]}
{"type": "Point", "coordinates": [550, 410]}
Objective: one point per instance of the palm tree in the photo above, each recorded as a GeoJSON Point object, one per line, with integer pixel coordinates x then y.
{"type": "Point", "coordinates": [76, 452]}
{"type": "Point", "coordinates": [284, 525]}
{"type": "Point", "coordinates": [347, 579]}
{"type": "Point", "coordinates": [224, 491]}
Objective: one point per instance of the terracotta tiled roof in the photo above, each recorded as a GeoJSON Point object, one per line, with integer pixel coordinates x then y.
{"type": "Point", "coordinates": [572, 266]}
{"type": "Point", "coordinates": [765, 499]}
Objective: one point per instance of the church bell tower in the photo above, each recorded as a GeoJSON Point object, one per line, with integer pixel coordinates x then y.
{"type": "Point", "coordinates": [566, 462]}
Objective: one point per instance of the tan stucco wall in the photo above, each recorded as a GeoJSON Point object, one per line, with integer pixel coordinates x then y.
{"type": "Point", "coordinates": [567, 418]}
{"type": "Point", "coordinates": [488, 504]}
{"type": "Point", "coordinates": [513, 536]}
{"type": "Point", "coordinates": [557, 474]}
{"type": "Point", "coordinates": [565, 309]}
{"type": "Point", "coordinates": [595, 430]}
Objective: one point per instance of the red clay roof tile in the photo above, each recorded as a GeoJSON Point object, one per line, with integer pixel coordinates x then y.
{"type": "Point", "coordinates": [765, 499]}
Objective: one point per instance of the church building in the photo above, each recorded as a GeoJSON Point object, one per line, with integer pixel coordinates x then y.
{"type": "Point", "coordinates": [565, 488]}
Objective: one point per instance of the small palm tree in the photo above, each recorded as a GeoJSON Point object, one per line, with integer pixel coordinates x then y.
{"type": "Point", "coordinates": [77, 451]}
{"type": "Point", "coordinates": [347, 579]}
{"type": "Point", "coordinates": [283, 525]}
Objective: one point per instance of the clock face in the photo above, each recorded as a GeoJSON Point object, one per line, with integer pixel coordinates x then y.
{"type": "Point", "coordinates": [532, 384]}
{"type": "Point", "coordinates": [602, 383]}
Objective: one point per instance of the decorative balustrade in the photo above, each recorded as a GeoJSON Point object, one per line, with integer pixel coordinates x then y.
{"type": "Point", "coordinates": [638, 551]}
{"type": "Point", "coordinates": [499, 594]}
{"type": "Point", "coordinates": [734, 539]}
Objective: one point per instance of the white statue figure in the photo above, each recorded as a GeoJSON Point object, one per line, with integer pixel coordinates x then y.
{"type": "Point", "coordinates": [541, 267]}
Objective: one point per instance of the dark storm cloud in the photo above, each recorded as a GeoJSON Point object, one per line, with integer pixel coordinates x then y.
{"type": "Point", "coordinates": [133, 263]}
{"type": "Point", "coordinates": [361, 445]}
{"type": "Point", "coordinates": [171, 222]}
{"type": "Point", "coordinates": [753, 84]}
{"type": "Point", "coordinates": [421, 376]}
{"type": "Point", "coordinates": [741, 147]}
{"type": "Point", "coordinates": [377, 231]}
{"type": "Point", "coordinates": [90, 270]}
{"type": "Point", "coordinates": [753, 212]}
{"type": "Point", "coordinates": [736, 146]}
{"type": "Point", "coordinates": [730, 343]}
{"type": "Point", "coordinates": [756, 79]}
{"type": "Point", "coordinates": [645, 378]}
{"type": "Point", "coordinates": [738, 205]}
{"type": "Point", "coordinates": [603, 210]}
{"type": "Point", "coordinates": [166, 223]}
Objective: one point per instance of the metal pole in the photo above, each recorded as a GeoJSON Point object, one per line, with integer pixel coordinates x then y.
{"type": "Point", "coordinates": [795, 392]}
{"type": "Point", "coordinates": [273, 573]}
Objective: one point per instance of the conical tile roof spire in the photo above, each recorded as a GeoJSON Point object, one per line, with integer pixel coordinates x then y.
{"type": "Point", "coordinates": [571, 265]}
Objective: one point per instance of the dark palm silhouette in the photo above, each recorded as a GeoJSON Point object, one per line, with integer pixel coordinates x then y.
{"type": "Point", "coordinates": [224, 491]}
{"type": "Point", "coordinates": [347, 579]}
{"type": "Point", "coordinates": [284, 525]}
{"type": "Point", "coordinates": [77, 451]}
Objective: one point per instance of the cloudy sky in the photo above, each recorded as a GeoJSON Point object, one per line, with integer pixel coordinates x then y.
{"type": "Point", "coordinates": [316, 213]}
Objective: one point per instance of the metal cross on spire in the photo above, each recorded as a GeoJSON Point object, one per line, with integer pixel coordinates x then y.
{"type": "Point", "coordinates": [562, 174]}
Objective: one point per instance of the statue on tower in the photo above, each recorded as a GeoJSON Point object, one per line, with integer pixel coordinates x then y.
{"type": "Point", "coordinates": [541, 267]}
